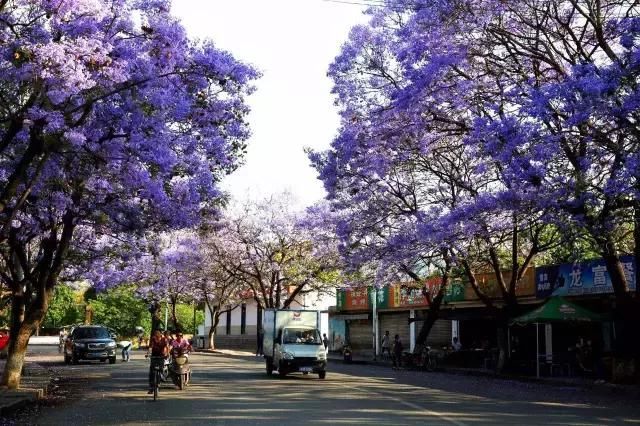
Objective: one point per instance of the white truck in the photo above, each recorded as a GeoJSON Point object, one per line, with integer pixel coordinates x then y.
{"type": "Point", "coordinates": [292, 342]}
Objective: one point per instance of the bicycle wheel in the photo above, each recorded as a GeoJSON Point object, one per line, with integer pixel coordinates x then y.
{"type": "Point", "coordinates": [156, 384]}
{"type": "Point", "coordinates": [431, 363]}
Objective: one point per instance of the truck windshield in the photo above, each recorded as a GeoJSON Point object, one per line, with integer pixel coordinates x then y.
{"type": "Point", "coordinates": [301, 335]}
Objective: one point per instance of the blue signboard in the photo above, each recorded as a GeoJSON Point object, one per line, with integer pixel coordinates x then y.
{"type": "Point", "coordinates": [580, 278]}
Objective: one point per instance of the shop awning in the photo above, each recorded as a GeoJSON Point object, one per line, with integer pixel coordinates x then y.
{"type": "Point", "coordinates": [557, 309]}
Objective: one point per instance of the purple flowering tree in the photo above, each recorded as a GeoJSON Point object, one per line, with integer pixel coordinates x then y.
{"type": "Point", "coordinates": [217, 282]}
{"type": "Point", "coordinates": [270, 250]}
{"type": "Point", "coordinates": [174, 275]}
{"type": "Point", "coordinates": [403, 170]}
{"type": "Point", "coordinates": [113, 125]}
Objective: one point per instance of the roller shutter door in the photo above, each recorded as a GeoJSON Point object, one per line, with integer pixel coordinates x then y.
{"type": "Point", "coordinates": [440, 334]}
{"type": "Point", "coordinates": [395, 323]}
{"type": "Point", "coordinates": [360, 335]}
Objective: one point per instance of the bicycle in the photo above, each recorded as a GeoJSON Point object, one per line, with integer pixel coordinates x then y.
{"type": "Point", "coordinates": [157, 362]}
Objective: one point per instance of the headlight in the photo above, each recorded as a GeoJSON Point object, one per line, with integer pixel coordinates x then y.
{"type": "Point", "coordinates": [79, 345]}
{"type": "Point", "coordinates": [111, 344]}
{"type": "Point", "coordinates": [287, 355]}
{"type": "Point", "coordinates": [322, 355]}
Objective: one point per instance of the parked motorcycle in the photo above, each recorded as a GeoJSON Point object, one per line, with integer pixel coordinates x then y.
{"type": "Point", "coordinates": [179, 369]}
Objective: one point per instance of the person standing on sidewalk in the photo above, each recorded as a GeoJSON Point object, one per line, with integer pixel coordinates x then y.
{"type": "Point", "coordinates": [397, 352]}
{"type": "Point", "coordinates": [385, 344]}
{"type": "Point", "coordinates": [260, 348]}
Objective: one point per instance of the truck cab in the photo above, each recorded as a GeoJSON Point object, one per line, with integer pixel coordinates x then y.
{"type": "Point", "coordinates": [293, 343]}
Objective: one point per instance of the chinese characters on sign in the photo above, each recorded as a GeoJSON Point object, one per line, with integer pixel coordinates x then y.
{"type": "Point", "coordinates": [580, 278]}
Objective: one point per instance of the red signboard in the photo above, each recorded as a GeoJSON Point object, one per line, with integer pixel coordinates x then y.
{"type": "Point", "coordinates": [357, 298]}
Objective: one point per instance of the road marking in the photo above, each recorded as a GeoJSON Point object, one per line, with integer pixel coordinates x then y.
{"type": "Point", "coordinates": [406, 403]}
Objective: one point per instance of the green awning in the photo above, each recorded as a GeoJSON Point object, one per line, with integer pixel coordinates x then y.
{"type": "Point", "coordinates": [557, 309]}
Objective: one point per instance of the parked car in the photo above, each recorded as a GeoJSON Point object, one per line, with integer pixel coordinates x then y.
{"type": "Point", "coordinates": [4, 343]}
{"type": "Point", "coordinates": [90, 342]}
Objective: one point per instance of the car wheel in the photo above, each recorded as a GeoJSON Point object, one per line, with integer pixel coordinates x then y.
{"type": "Point", "coordinates": [181, 381]}
{"type": "Point", "coordinates": [103, 360]}
{"type": "Point", "coordinates": [322, 374]}
{"type": "Point", "coordinates": [112, 360]}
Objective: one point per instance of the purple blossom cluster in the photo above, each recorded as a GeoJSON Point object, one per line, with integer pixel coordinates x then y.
{"type": "Point", "coordinates": [112, 118]}
{"type": "Point", "coordinates": [468, 124]}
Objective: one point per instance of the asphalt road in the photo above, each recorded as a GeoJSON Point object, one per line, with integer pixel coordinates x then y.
{"type": "Point", "coordinates": [229, 390]}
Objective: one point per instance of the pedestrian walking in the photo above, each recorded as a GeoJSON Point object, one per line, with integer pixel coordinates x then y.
{"type": "Point", "coordinates": [259, 346]}
{"type": "Point", "coordinates": [386, 344]}
{"type": "Point", "coordinates": [126, 347]}
{"type": "Point", "coordinates": [397, 352]}
{"type": "Point", "coordinates": [325, 341]}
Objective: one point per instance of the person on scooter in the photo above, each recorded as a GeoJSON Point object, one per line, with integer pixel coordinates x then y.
{"type": "Point", "coordinates": [180, 344]}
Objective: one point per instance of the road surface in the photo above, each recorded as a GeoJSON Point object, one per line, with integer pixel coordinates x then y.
{"type": "Point", "coordinates": [235, 390]}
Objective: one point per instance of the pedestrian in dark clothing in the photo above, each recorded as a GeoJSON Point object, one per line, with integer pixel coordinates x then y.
{"type": "Point", "coordinates": [260, 350]}
{"type": "Point", "coordinates": [397, 352]}
{"type": "Point", "coordinates": [325, 340]}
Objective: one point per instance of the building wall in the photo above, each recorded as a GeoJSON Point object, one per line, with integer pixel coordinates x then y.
{"type": "Point", "coordinates": [236, 340]}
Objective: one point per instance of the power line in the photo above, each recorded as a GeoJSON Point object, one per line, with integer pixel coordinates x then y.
{"type": "Point", "coordinates": [380, 3]}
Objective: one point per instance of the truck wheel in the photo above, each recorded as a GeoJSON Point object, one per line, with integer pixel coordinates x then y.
{"type": "Point", "coordinates": [269, 366]}
{"type": "Point", "coordinates": [322, 374]}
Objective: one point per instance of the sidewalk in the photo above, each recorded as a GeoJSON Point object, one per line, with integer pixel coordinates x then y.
{"type": "Point", "coordinates": [33, 386]}
{"type": "Point", "coordinates": [553, 381]}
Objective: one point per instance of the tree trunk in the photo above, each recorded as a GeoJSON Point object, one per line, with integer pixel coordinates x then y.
{"type": "Point", "coordinates": [23, 325]}
{"type": "Point", "coordinates": [501, 338]}
{"type": "Point", "coordinates": [15, 358]}
{"type": "Point", "coordinates": [434, 303]}
{"type": "Point", "coordinates": [215, 320]}
{"type": "Point", "coordinates": [174, 318]}
{"type": "Point", "coordinates": [427, 325]}
{"type": "Point", "coordinates": [616, 272]}
{"type": "Point", "coordinates": [154, 309]}
{"type": "Point", "coordinates": [636, 239]}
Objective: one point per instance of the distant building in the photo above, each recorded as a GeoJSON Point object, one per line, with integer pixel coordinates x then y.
{"type": "Point", "coordinates": [238, 328]}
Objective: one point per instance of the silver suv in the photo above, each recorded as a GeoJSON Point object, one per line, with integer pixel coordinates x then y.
{"type": "Point", "coordinates": [90, 342]}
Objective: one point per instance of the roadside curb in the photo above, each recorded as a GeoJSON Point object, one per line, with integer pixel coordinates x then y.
{"type": "Point", "coordinates": [34, 385]}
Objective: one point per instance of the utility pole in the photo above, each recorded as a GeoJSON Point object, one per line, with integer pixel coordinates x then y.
{"type": "Point", "coordinates": [166, 315]}
{"type": "Point", "coordinates": [374, 317]}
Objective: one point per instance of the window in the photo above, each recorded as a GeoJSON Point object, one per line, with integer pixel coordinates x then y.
{"type": "Point", "coordinates": [302, 335]}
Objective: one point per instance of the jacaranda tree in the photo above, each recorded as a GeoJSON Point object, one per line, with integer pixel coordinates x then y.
{"type": "Point", "coordinates": [113, 124]}
{"type": "Point", "coordinates": [491, 126]}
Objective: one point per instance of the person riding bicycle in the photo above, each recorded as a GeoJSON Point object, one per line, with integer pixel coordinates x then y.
{"type": "Point", "coordinates": [158, 349]}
